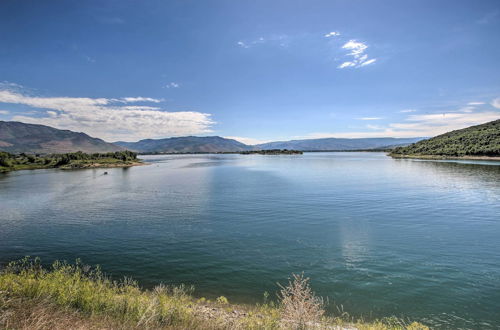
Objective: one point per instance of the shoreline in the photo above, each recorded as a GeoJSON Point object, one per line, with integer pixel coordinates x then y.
{"type": "Point", "coordinates": [79, 167]}
{"type": "Point", "coordinates": [101, 165]}
{"type": "Point", "coordinates": [439, 157]}
{"type": "Point", "coordinates": [66, 293]}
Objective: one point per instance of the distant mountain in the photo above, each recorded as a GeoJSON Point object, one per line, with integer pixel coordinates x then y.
{"type": "Point", "coordinates": [186, 144]}
{"type": "Point", "coordinates": [480, 140]}
{"type": "Point", "coordinates": [16, 137]}
{"type": "Point", "coordinates": [337, 144]}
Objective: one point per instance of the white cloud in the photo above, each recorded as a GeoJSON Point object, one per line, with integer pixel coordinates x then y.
{"type": "Point", "coordinates": [346, 64]}
{"type": "Point", "coordinates": [475, 103]}
{"type": "Point", "coordinates": [368, 62]}
{"type": "Point", "coordinates": [420, 125]}
{"type": "Point", "coordinates": [242, 44]}
{"type": "Point", "coordinates": [496, 103]}
{"type": "Point", "coordinates": [139, 99]}
{"type": "Point", "coordinates": [172, 85]}
{"type": "Point", "coordinates": [356, 48]}
{"type": "Point", "coordinates": [357, 53]}
{"type": "Point", "coordinates": [369, 118]}
{"type": "Point", "coordinates": [107, 119]}
{"type": "Point", "coordinates": [407, 110]}
{"type": "Point", "coordinates": [4, 112]}
{"type": "Point", "coordinates": [332, 34]}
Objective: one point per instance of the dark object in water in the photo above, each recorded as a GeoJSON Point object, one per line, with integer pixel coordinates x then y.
{"type": "Point", "coordinates": [105, 173]}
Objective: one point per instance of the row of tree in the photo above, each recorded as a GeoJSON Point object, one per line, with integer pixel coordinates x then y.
{"type": "Point", "coordinates": [9, 160]}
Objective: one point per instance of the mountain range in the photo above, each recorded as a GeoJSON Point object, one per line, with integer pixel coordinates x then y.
{"type": "Point", "coordinates": [337, 144]}
{"type": "Point", "coordinates": [186, 144]}
{"type": "Point", "coordinates": [17, 137]}
{"type": "Point", "coordinates": [218, 144]}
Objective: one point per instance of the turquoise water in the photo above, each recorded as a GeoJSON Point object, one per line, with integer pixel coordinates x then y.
{"type": "Point", "coordinates": [381, 237]}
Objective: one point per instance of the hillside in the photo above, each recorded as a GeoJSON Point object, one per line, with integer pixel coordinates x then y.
{"type": "Point", "coordinates": [186, 144]}
{"type": "Point", "coordinates": [337, 144]}
{"type": "Point", "coordinates": [480, 140]}
{"type": "Point", "coordinates": [17, 137]}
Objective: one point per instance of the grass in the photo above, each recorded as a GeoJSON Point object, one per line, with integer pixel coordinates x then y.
{"type": "Point", "coordinates": [81, 297]}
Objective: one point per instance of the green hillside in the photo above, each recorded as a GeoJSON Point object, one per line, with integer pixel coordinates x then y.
{"type": "Point", "coordinates": [480, 140]}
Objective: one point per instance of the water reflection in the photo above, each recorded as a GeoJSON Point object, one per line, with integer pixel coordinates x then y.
{"type": "Point", "coordinates": [381, 236]}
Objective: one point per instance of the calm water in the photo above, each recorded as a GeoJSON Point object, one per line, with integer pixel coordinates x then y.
{"type": "Point", "coordinates": [381, 237]}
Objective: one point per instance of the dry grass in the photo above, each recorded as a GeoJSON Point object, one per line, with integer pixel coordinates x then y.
{"type": "Point", "coordinates": [300, 307]}
{"type": "Point", "coordinates": [28, 314]}
{"type": "Point", "coordinates": [79, 297]}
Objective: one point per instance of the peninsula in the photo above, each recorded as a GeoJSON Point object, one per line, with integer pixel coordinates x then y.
{"type": "Point", "coordinates": [272, 152]}
{"type": "Point", "coordinates": [74, 160]}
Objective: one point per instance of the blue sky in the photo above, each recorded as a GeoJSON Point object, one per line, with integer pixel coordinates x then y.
{"type": "Point", "coordinates": [255, 70]}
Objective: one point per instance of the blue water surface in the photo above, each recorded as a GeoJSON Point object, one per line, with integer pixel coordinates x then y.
{"type": "Point", "coordinates": [377, 236]}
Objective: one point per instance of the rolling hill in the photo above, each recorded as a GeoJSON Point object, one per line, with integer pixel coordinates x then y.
{"type": "Point", "coordinates": [337, 144]}
{"type": "Point", "coordinates": [17, 137]}
{"type": "Point", "coordinates": [480, 140]}
{"type": "Point", "coordinates": [188, 144]}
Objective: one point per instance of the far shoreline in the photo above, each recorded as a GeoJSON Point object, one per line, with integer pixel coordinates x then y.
{"type": "Point", "coordinates": [86, 167]}
{"type": "Point", "coordinates": [102, 165]}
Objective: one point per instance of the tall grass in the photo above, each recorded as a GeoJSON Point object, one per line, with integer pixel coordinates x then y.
{"type": "Point", "coordinates": [66, 289]}
{"type": "Point", "coordinates": [88, 290]}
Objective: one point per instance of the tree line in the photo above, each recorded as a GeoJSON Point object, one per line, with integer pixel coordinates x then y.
{"type": "Point", "coordinates": [8, 160]}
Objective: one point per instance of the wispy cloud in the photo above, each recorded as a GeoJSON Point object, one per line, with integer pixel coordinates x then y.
{"type": "Point", "coordinates": [496, 103]}
{"type": "Point", "coordinates": [369, 118]}
{"type": "Point", "coordinates": [408, 110]}
{"type": "Point", "coordinates": [248, 44]}
{"type": "Point", "coordinates": [242, 44]}
{"type": "Point", "coordinates": [423, 125]}
{"type": "Point", "coordinates": [139, 99]}
{"type": "Point", "coordinates": [332, 34]}
{"type": "Point", "coordinates": [346, 65]}
{"type": "Point", "coordinates": [281, 40]}
{"type": "Point", "coordinates": [4, 112]}
{"type": "Point", "coordinates": [354, 50]}
{"type": "Point", "coordinates": [109, 118]}
{"type": "Point", "coordinates": [358, 57]}
{"type": "Point", "coordinates": [476, 103]}
{"type": "Point", "coordinates": [172, 85]}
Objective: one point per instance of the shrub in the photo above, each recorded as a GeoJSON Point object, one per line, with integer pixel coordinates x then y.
{"type": "Point", "coordinates": [300, 307]}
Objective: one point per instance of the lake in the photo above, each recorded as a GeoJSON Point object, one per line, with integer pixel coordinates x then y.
{"type": "Point", "coordinates": [377, 236]}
